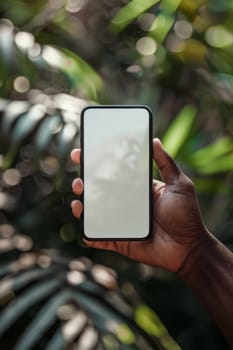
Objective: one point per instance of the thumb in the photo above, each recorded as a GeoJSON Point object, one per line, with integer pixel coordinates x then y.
{"type": "Point", "coordinates": [168, 169]}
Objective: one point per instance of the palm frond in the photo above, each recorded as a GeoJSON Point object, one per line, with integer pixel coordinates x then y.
{"type": "Point", "coordinates": [52, 302]}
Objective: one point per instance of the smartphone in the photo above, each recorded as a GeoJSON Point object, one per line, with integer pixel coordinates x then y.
{"type": "Point", "coordinates": [116, 168]}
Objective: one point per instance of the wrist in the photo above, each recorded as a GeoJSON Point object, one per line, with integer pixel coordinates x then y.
{"type": "Point", "coordinates": [208, 271]}
{"type": "Point", "coordinates": [203, 250]}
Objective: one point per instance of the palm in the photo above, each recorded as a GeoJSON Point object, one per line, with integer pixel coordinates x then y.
{"type": "Point", "coordinates": [175, 215]}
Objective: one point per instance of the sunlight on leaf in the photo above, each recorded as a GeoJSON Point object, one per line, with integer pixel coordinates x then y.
{"type": "Point", "coordinates": [150, 322]}
{"type": "Point", "coordinates": [179, 130]}
{"type": "Point", "coordinates": [88, 339]}
{"type": "Point", "coordinates": [164, 21]}
{"type": "Point", "coordinates": [28, 122]}
{"type": "Point", "coordinates": [73, 327]}
{"type": "Point", "coordinates": [65, 140]}
{"type": "Point", "coordinates": [12, 112]}
{"type": "Point", "coordinates": [129, 12]}
{"type": "Point", "coordinates": [124, 334]}
{"type": "Point", "coordinates": [81, 74]}
{"type": "Point", "coordinates": [161, 26]}
{"type": "Point", "coordinates": [6, 39]}
{"type": "Point", "coordinates": [46, 131]}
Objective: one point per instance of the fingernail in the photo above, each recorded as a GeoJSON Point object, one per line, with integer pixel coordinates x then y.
{"type": "Point", "coordinates": [76, 205]}
{"type": "Point", "coordinates": [78, 180]}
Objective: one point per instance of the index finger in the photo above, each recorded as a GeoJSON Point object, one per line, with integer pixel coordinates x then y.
{"type": "Point", "coordinates": [168, 169]}
{"type": "Point", "coordinates": [75, 155]}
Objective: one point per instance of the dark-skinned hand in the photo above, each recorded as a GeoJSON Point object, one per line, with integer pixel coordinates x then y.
{"type": "Point", "coordinates": [177, 224]}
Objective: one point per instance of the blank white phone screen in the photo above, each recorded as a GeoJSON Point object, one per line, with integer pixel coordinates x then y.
{"type": "Point", "coordinates": [116, 171]}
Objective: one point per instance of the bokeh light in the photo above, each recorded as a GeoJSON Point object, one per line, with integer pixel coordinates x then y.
{"type": "Point", "coordinates": [21, 84]}
{"type": "Point", "coordinates": [22, 242]}
{"type": "Point", "coordinates": [7, 201]}
{"type": "Point", "coordinates": [146, 46]}
{"type": "Point", "coordinates": [104, 276]}
{"type": "Point", "coordinates": [11, 177]}
{"type": "Point", "coordinates": [88, 339]}
{"type": "Point", "coordinates": [72, 328]}
{"type": "Point", "coordinates": [145, 21]}
{"type": "Point", "coordinates": [75, 277]}
{"type": "Point", "coordinates": [183, 29]}
{"type": "Point", "coordinates": [66, 312]}
{"type": "Point", "coordinates": [24, 40]}
{"type": "Point", "coordinates": [34, 51]}
{"type": "Point", "coordinates": [148, 61]}
{"type": "Point", "coordinates": [7, 230]}
{"type": "Point", "coordinates": [218, 36]}
{"type": "Point", "coordinates": [174, 43]}
{"type": "Point", "coordinates": [49, 165]}
{"type": "Point", "coordinates": [53, 56]}
{"type": "Point", "coordinates": [134, 68]}
{"type": "Point", "coordinates": [74, 5]}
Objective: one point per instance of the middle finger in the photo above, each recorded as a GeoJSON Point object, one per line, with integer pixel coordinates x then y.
{"type": "Point", "coordinates": [77, 186]}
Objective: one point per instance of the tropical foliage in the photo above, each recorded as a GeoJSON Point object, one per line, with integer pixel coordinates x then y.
{"type": "Point", "coordinates": [55, 58]}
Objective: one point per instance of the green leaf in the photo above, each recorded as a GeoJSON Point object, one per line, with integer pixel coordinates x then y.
{"type": "Point", "coordinates": [164, 21]}
{"type": "Point", "coordinates": [41, 323]}
{"type": "Point", "coordinates": [28, 277]}
{"type": "Point", "coordinates": [18, 282]}
{"type": "Point", "coordinates": [214, 158]}
{"type": "Point", "coordinates": [209, 185]}
{"type": "Point", "coordinates": [82, 74]}
{"type": "Point", "coordinates": [161, 26]}
{"type": "Point", "coordinates": [7, 48]}
{"type": "Point", "coordinates": [13, 110]}
{"type": "Point", "coordinates": [207, 154]}
{"type": "Point", "coordinates": [99, 310]}
{"type": "Point", "coordinates": [61, 339]}
{"type": "Point", "coordinates": [179, 130]}
{"type": "Point", "coordinates": [150, 322]}
{"type": "Point", "coordinates": [26, 300]}
{"type": "Point", "coordinates": [57, 342]}
{"type": "Point", "coordinates": [219, 165]}
{"type": "Point", "coordinates": [26, 124]}
{"type": "Point", "coordinates": [130, 12]}
{"type": "Point", "coordinates": [65, 139]}
{"type": "Point", "coordinates": [45, 132]}
{"type": "Point", "coordinates": [170, 6]}
{"type": "Point", "coordinates": [3, 104]}
{"type": "Point", "coordinates": [4, 270]}
{"type": "Point", "coordinates": [125, 334]}
{"type": "Point", "coordinates": [224, 79]}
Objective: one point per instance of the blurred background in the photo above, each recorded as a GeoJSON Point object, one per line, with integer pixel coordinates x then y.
{"type": "Point", "coordinates": [56, 57]}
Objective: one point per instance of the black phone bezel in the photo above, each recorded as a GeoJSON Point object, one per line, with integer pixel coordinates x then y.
{"type": "Point", "coordinates": [149, 163]}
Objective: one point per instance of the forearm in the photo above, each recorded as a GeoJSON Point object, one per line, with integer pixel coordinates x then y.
{"type": "Point", "coordinates": [209, 272]}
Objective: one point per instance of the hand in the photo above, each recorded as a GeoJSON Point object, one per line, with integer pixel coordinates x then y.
{"type": "Point", "coordinates": [177, 225]}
